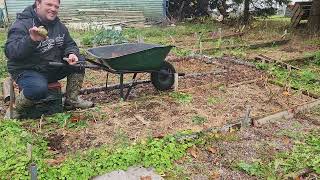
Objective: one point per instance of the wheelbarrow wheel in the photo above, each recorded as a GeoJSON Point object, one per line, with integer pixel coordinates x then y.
{"type": "Point", "coordinates": [164, 78]}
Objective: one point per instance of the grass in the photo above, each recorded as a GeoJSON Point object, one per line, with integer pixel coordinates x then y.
{"type": "Point", "coordinates": [288, 165]}
{"type": "Point", "coordinates": [158, 153]}
{"type": "Point", "coordinates": [305, 79]}
{"type": "Point", "coordinates": [199, 120]}
{"type": "Point", "coordinates": [3, 61]}
{"type": "Point", "coordinates": [214, 100]}
{"type": "Point", "coordinates": [182, 98]}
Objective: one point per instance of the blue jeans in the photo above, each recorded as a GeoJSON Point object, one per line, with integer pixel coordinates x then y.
{"type": "Point", "coordinates": [35, 84]}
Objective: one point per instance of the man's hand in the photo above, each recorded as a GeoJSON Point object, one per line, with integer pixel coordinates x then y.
{"type": "Point", "coordinates": [35, 35]}
{"type": "Point", "coordinates": [72, 59]}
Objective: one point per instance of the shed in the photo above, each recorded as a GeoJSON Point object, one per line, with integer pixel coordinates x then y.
{"type": "Point", "coordinates": [300, 11]}
{"type": "Point", "coordinates": [107, 11]}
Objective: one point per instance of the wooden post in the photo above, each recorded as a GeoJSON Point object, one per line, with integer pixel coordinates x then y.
{"type": "Point", "coordinates": [246, 121]}
{"type": "Point", "coordinates": [176, 81]}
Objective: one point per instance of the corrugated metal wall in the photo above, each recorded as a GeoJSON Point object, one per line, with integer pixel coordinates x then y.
{"type": "Point", "coordinates": [100, 10]}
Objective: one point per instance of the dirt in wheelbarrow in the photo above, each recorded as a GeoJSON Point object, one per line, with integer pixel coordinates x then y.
{"type": "Point", "coordinates": [202, 101]}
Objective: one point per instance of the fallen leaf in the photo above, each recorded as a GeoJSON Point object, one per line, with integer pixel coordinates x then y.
{"type": "Point", "coordinates": [145, 178]}
{"type": "Point", "coordinates": [54, 162]}
{"type": "Point", "coordinates": [215, 175]}
{"type": "Point", "coordinates": [213, 150]}
{"type": "Point", "coordinates": [286, 93]}
{"type": "Point", "coordinates": [194, 152]}
{"type": "Point", "coordinates": [75, 119]}
{"type": "Point", "coordinates": [286, 141]}
{"type": "Point", "coordinates": [158, 134]}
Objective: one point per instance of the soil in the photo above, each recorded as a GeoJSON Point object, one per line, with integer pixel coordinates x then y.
{"type": "Point", "coordinates": [149, 112]}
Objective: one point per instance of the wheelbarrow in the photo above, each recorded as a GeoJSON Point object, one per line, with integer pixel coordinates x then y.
{"type": "Point", "coordinates": [132, 58]}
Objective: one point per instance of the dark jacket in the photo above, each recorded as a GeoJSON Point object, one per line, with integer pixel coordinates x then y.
{"type": "Point", "coordinates": [25, 54]}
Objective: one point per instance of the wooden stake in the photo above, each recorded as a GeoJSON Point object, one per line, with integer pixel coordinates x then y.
{"type": "Point", "coordinates": [176, 81]}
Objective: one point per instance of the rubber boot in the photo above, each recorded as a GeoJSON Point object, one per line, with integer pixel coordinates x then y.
{"type": "Point", "coordinates": [21, 104]}
{"type": "Point", "coordinates": [15, 114]}
{"type": "Point", "coordinates": [73, 101]}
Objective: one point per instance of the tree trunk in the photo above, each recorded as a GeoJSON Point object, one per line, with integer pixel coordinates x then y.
{"type": "Point", "coordinates": [202, 9]}
{"type": "Point", "coordinates": [246, 12]}
{"type": "Point", "coordinates": [314, 19]}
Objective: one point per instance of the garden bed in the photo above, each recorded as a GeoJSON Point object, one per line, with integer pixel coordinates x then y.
{"type": "Point", "coordinates": [202, 101]}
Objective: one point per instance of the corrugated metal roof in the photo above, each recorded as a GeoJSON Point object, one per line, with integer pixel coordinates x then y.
{"type": "Point", "coordinates": [99, 10]}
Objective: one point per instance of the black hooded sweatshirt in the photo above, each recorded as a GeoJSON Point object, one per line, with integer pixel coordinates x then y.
{"type": "Point", "coordinates": [25, 54]}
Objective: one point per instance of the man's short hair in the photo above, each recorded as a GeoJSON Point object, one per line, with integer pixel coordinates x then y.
{"type": "Point", "coordinates": [40, 1]}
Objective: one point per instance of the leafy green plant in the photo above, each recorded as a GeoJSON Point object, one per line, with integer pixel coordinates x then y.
{"type": "Point", "coordinates": [238, 52]}
{"type": "Point", "coordinates": [213, 100]}
{"type": "Point", "coordinates": [317, 58]}
{"type": "Point", "coordinates": [304, 79]}
{"type": "Point", "coordinates": [66, 120]}
{"type": "Point", "coordinates": [307, 76]}
{"type": "Point", "coordinates": [105, 36]}
{"type": "Point", "coordinates": [158, 153]}
{"type": "Point", "coordinates": [182, 98]}
{"type": "Point", "coordinates": [13, 150]}
{"type": "Point", "coordinates": [253, 169]}
{"type": "Point", "coordinates": [199, 120]}
{"type": "Point", "coordinates": [305, 155]}
{"type": "Point", "coordinates": [181, 52]}
{"type": "Point", "coordinates": [222, 88]}
{"type": "Point", "coordinates": [262, 66]}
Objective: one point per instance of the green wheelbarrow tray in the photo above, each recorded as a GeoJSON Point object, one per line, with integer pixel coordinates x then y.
{"type": "Point", "coordinates": [131, 56]}
{"type": "Point", "coordinates": [135, 58]}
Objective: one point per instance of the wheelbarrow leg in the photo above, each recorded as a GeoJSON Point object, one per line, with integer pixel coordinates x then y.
{"type": "Point", "coordinates": [121, 86]}
{"type": "Point", "coordinates": [131, 86]}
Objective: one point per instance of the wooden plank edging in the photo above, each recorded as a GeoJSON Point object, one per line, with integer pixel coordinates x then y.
{"type": "Point", "coordinates": [287, 114]}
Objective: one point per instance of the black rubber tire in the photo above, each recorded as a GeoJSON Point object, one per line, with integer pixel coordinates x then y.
{"type": "Point", "coordinates": [164, 79]}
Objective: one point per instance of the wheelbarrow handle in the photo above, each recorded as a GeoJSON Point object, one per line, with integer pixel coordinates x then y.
{"type": "Point", "coordinates": [79, 65]}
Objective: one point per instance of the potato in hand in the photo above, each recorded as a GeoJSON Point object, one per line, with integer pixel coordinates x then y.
{"type": "Point", "coordinates": [42, 31]}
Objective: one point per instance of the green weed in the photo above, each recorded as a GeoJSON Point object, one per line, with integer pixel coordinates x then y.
{"type": "Point", "coordinates": [317, 58]}
{"type": "Point", "coordinates": [199, 120]}
{"type": "Point", "coordinates": [239, 52]}
{"type": "Point", "coordinates": [13, 150]}
{"type": "Point", "coordinates": [262, 66]}
{"type": "Point", "coordinates": [304, 79]}
{"type": "Point", "coordinates": [3, 60]}
{"type": "Point", "coordinates": [291, 134]}
{"type": "Point", "coordinates": [157, 153]}
{"type": "Point", "coordinates": [66, 120]}
{"type": "Point", "coordinates": [181, 97]}
{"type": "Point", "coordinates": [228, 137]}
{"type": "Point", "coordinates": [214, 100]}
{"type": "Point", "coordinates": [103, 37]}
{"type": "Point", "coordinates": [253, 169]}
{"type": "Point", "coordinates": [305, 155]}
{"type": "Point", "coordinates": [181, 52]}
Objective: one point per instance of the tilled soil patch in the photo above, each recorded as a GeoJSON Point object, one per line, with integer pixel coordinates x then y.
{"type": "Point", "coordinates": [216, 100]}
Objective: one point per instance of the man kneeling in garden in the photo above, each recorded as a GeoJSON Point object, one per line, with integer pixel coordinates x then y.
{"type": "Point", "coordinates": [36, 38]}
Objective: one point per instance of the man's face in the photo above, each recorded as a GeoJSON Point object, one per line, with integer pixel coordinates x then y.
{"type": "Point", "coordinates": [47, 10]}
